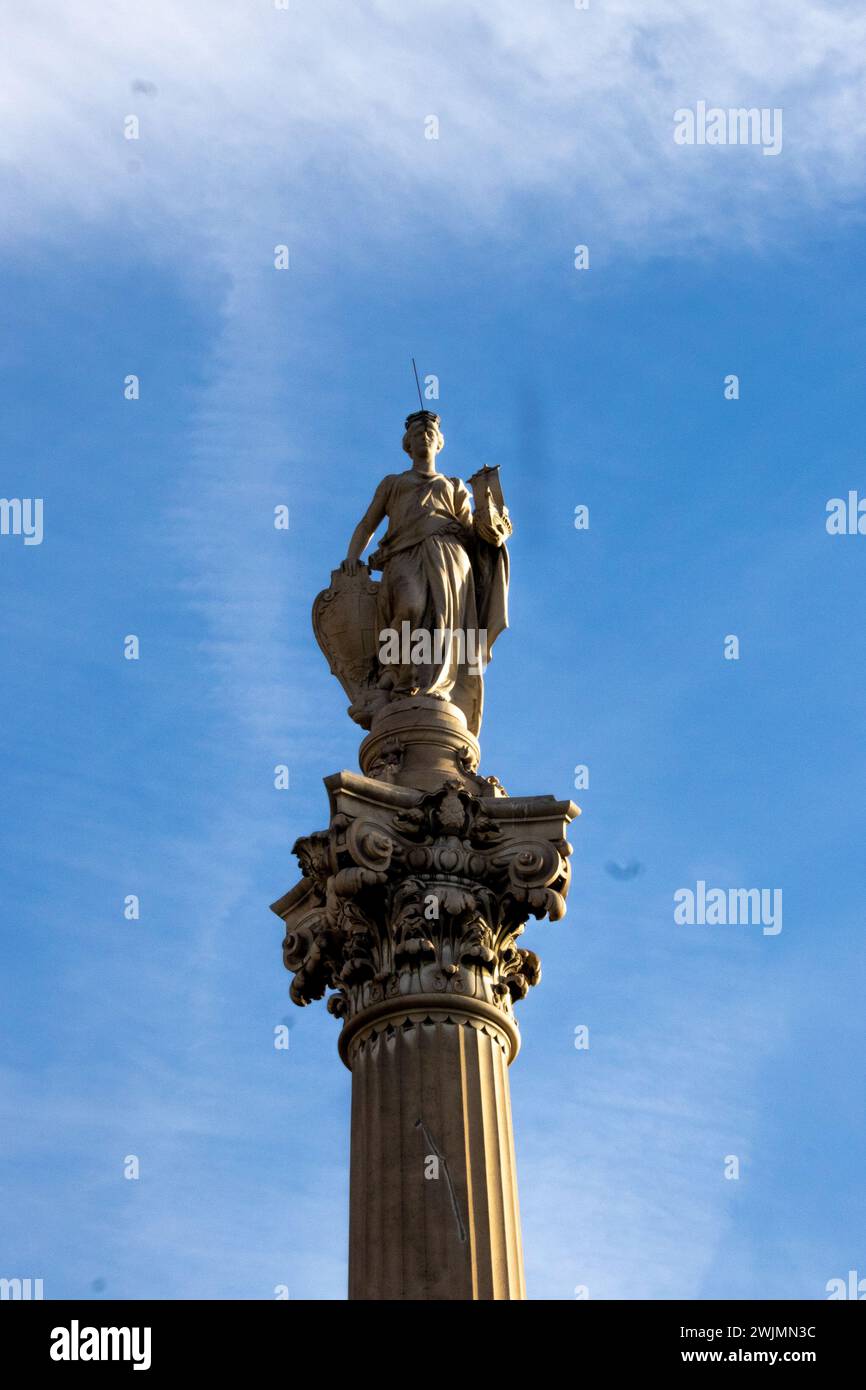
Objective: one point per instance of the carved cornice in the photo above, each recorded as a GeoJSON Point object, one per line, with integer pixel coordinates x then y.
{"type": "Point", "coordinates": [410, 894]}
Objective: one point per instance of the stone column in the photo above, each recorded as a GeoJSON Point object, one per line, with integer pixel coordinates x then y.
{"type": "Point", "coordinates": [433, 1198]}
{"type": "Point", "coordinates": [410, 909]}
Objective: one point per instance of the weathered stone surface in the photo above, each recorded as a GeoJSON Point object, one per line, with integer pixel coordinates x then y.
{"type": "Point", "coordinates": [420, 742]}
{"type": "Point", "coordinates": [413, 900]}
{"type": "Point", "coordinates": [422, 893]}
{"type": "Point", "coordinates": [433, 1193]}
{"type": "Point", "coordinates": [445, 575]}
{"type": "Point", "coordinates": [410, 911]}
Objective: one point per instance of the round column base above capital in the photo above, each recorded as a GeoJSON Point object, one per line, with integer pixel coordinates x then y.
{"type": "Point", "coordinates": [421, 742]}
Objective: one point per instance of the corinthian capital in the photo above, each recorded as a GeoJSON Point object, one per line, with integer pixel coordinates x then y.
{"type": "Point", "coordinates": [411, 896]}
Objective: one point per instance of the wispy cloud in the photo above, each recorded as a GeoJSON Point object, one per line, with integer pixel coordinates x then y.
{"type": "Point", "coordinates": [316, 113]}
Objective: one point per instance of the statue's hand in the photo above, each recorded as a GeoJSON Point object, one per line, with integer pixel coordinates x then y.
{"type": "Point", "coordinates": [349, 566]}
{"type": "Point", "coordinates": [495, 527]}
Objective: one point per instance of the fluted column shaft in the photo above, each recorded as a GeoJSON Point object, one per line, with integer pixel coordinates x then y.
{"type": "Point", "coordinates": [410, 911]}
{"type": "Point", "coordinates": [433, 1190]}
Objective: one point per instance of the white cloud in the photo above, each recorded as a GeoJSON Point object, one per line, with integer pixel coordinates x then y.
{"type": "Point", "coordinates": [315, 115]}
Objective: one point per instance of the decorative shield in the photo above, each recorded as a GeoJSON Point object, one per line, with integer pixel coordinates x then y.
{"type": "Point", "coordinates": [346, 628]}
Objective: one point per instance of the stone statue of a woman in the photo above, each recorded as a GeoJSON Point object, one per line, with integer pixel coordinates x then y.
{"type": "Point", "coordinates": [443, 597]}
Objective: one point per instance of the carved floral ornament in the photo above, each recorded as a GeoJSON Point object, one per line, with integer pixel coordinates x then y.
{"type": "Point", "coordinates": [422, 895]}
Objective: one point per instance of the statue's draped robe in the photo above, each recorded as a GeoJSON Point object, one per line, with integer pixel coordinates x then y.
{"type": "Point", "coordinates": [439, 574]}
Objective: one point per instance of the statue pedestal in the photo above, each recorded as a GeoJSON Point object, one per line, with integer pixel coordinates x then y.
{"type": "Point", "coordinates": [421, 742]}
{"type": "Point", "coordinates": [410, 909]}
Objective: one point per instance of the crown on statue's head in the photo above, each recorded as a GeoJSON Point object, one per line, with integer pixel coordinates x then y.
{"type": "Point", "coordinates": [422, 417]}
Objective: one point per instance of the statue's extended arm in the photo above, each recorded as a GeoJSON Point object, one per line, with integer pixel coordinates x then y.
{"type": "Point", "coordinates": [365, 530]}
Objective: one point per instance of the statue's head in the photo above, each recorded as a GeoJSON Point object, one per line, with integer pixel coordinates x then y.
{"type": "Point", "coordinates": [423, 438]}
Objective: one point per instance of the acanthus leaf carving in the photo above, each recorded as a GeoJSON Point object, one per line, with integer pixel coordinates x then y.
{"type": "Point", "coordinates": [423, 892]}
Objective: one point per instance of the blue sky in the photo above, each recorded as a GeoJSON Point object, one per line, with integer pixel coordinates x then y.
{"type": "Point", "coordinates": [602, 387]}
